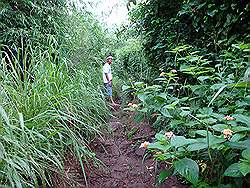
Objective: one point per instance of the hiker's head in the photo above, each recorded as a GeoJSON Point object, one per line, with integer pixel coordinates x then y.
{"type": "Point", "coordinates": [109, 59]}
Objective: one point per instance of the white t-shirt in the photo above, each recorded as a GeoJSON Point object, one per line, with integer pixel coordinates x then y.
{"type": "Point", "coordinates": [106, 69]}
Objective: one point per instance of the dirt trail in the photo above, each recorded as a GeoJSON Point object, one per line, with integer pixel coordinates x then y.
{"type": "Point", "coordinates": [125, 164]}
{"type": "Point", "coordinates": [124, 160]}
{"type": "Point", "coordinates": [119, 152]}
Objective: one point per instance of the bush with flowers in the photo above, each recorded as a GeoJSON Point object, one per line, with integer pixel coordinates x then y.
{"type": "Point", "coordinates": [203, 123]}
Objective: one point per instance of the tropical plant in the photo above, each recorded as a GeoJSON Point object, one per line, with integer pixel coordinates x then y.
{"type": "Point", "coordinates": [209, 26]}
{"type": "Point", "coordinates": [206, 109]}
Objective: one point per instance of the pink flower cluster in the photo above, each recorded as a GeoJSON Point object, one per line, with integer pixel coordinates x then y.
{"type": "Point", "coordinates": [229, 118]}
{"type": "Point", "coordinates": [227, 133]}
{"type": "Point", "coordinates": [169, 135]}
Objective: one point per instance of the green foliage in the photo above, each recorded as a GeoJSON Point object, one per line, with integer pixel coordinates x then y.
{"type": "Point", "coordinates": [42, 119]}
{"type": "Point", "coordinates": [26, 22]}
{"type": "Point", "coordinates": [189, 169]}
{"type": "Point", "coordinates": [50, 96]}
{"type": "Point", "coordinates": [87, 40]}
{"type": "Point", "coordinates": [209, 26]}
{"type": "Point", "coordinates": [131, 62]}
{"type": "Point", "coordinates": [199, 103]}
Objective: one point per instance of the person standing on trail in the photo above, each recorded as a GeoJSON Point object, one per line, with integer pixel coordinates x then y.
{"type": "Point", "coordinates": [107, 78]}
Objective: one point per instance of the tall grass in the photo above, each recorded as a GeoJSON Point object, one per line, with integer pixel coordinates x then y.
{"type": "Point", "coordinates": [53, 110]}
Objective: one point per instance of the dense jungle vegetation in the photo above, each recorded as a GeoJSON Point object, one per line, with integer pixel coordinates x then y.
{"type": "Point", "coordinates": [193, 86]}
{"type": "Point", "coordinates": [51, 98]}
{"type": "Point", "coordinates": [184, 65]}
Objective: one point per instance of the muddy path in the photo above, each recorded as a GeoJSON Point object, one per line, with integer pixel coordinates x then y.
{"type": "Point", "coordinates": [120, 152]}
{"type": "Point", "coordinates": [124, 164]}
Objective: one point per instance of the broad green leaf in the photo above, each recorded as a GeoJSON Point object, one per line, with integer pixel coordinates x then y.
{"type": "Point", "coordinates": [176, 122]}
{"type": "Point", "coordinates": [213, 140]}
{"type": "Point", "coordinates": [124, 87]}
{"type": "Point", "coordinates": [237, 136]}
{"type": "Point", "coordinates": [202, 78]}
{"type": "Point", "coordinates": [242, 118]}
{"type": "Point", "coordinates": [223, 110]}
{"type": "Point", "coordinates": [240, 111]}
{"type": "Point", "coordinates": [144, 110]}
{"type": "Point", "coordinates": [197, 146]}
{"type": "Point", "coordinates": [184, 113]}
{"type": "Point", "coordinates": [165, 112]}
{"type": "Point", "coordinates": [202, 132]}
{"type": "Point", "coordinates": [240, 128]}
{"type": "Point", "coordinates": [168, 156]}
{"type": "Point", "coordinates": [233, 170]}
{"type": "Point", "coordinates": [156, 106]}
{"type": "Point", "coordinates": [159, 146]}
{"type": "Point", "coordinates": [210, 120]}
{"type": "Point", "coordinates": [246, 154]}
{"type": "Point", "coordinates": [139, 84]}
{"type": "Point", "coordinates": [240, 104]}
{"type": "Point", "coordinates": [244, 167]}
{"type": "Point", "coordinates": [192, 124]}
{"type": "Point", "coordinates": [139, 117]}
{"type": "Point", "coordinates": [218, 116]}
{"type": "Point", "coordinates": [246, 143]}
{"type": "Point", "coordinates": [153, 88]}
{"type": "Point", "coordinates": [173, 104]}
{"type": "Point", "coordinates": [178, 141]}
{"type": "Point", "coordinates": [206, 111]}
{"type": "Point", "coordinates": [217, 86]}
{"type": "Point", "coordinates": [142, 97]}
{"type": "Point", "coordinates": [183, 99]}
{"type": "Point", "coordinates": [236, 145]}
{"type": "Point", "coordinates": [163, 175]}
{"type": "Point", "coordinates": [220, 127]}
{"type": "Point", "coordinates": [189, 169]}
{"type": "Point", "coordinates": [160, 137]}
{"type": "Point", "coordinates": [163, 96]}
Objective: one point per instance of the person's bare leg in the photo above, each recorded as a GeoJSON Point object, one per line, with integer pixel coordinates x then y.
{"type": "Point", "coordinates": [113, 103]}
{"type": "Point", "coordinates": [111, 99]}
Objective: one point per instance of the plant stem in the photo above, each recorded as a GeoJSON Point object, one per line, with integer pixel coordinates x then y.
{"type": "Point", "coordinates": [208, 147]}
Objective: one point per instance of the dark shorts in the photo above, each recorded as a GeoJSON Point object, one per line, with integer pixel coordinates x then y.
{"type": "Point", "coordinates": [108, 89]}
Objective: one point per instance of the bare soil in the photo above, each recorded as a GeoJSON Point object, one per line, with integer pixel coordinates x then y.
{"type": "Point", "coordinates": [124, 163]}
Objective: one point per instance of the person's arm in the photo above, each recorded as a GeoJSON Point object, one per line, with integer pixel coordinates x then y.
{"type": "Point", "coordinates": [109, 81]}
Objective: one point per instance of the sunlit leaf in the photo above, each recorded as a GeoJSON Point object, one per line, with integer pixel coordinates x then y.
{"type": "Point", "coordinates": [189, 169]}
{"type": "Point", "coordinates": [233, 170]}
{"type": "Point", "coordinates": [244, 167]}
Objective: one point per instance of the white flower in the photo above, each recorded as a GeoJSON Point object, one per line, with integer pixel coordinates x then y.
{"type": "Point", "coordinates": [144, 145]}
{"type": "Point", "coordinates": [173, 71]}
{"type": "Point", "coordinates": [169, 135]}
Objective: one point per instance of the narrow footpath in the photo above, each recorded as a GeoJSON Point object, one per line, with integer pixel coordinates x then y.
{"type": "Point", "coordinates": [124, 163]}
{"type": "Point", "coordinates": [120, 153]}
